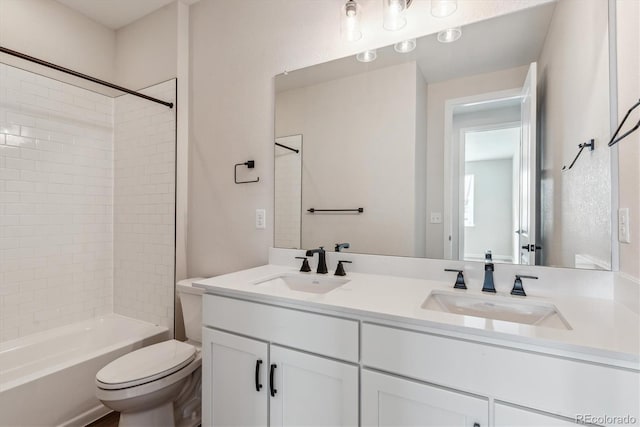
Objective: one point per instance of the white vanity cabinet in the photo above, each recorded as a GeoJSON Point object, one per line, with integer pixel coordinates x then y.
{"type": "Point", "coordinates": [258, 382]}
{"type": "Point", "coordinates": [394, 402]}
{"type": "Point", "coordinates": [326, 369]}
{"type": "Point", "coordinates": [561, 387]}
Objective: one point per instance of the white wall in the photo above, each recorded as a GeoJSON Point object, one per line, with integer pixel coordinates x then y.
{"type": "Point", "coordinates": [493, 203]}
{"type": "Point", "coordinates": [438, 95]}
{"type": "Point", "coordinates": [51, 31]}
{"type": "Point", "coordinates": [144, 206]}
{"type": "Point", "coordinates": [146, 50]}
{"type": "Point", "coordinates": [628, 17]}
{"type": "Point", "coordinates": [233, 104]}
{"type": "Point", "coordinates": [420, 167]}
{"type": "Point", "coordinates": [137, 55]}
{"type": "Point", "coordinates": [56, 195]}
{"type": "Point", "coordinates": [573, 108]}
{"type": "Point", "coordinates": [348, 162]}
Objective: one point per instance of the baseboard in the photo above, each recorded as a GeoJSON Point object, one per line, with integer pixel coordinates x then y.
{"type": "Point", "coordinates": [87, 417]}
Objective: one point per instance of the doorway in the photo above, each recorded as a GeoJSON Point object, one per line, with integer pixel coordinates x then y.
{"type": "Point", "coordinates": [489, 192]}
{"type": "Point", "coordinates": [478, 118]}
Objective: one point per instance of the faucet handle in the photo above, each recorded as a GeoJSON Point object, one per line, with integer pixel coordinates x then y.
{"type": "Point", "coordinates": [340, 246]}
{"type": "Point", "coordinates": [340, 268]}
{"type": "Point", "coordinates": [459, 280]}
{"type": "Point", "coordinates": [305, 264]}
{"type": "Point", "coordinates": [517, 285]}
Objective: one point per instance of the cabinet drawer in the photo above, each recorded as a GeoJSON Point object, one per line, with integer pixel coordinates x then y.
{"type": "Point", "coordinates": [546, 383]}
{"type": "Point", "coordinates": [326, 335]}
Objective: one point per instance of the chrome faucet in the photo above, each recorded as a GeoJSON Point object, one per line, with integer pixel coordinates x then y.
{"type": "Point", "coordinates": [322, 259]}
{"type": "Point", "coordinates": [488, 285]}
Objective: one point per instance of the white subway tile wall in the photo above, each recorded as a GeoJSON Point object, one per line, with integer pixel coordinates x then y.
{"type": "Point", "coordinates": [144, 206]}
{"type": "Point", "coordinates": [56, 193]}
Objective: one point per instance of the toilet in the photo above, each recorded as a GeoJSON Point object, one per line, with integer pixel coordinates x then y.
{"type": "Point", "coordinates": [159, 385]}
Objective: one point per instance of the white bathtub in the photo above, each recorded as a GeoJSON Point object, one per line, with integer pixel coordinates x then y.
{"type": "Point", "coordinates": [48, 378]}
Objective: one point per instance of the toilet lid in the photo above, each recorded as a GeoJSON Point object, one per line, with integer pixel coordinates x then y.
{"type": "Point", "coordinates": [146, 364]}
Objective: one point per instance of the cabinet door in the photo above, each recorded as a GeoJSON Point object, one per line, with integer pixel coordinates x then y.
{"type": "Point", "coordinates": [509, 416]}
{"type": "Point", "coordinates": [392, 401]}
{"type": "Point", "coordinates": [230, 395]}
{"type": "Point", "coordinates": [312, 391]}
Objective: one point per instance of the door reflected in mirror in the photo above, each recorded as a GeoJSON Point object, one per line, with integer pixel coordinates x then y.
{"type": "Point", "coordinates": [455, 148]}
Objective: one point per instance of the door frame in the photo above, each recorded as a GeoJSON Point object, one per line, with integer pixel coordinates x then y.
{"type": "Point", "coordinates": [452, 154]}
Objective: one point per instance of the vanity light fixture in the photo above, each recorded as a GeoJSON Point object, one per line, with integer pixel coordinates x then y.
{"type": "Point", "coordinates": [450, 35]}
{"type": "Point", "coordinates": [394, 14]}
{"type": "Point", "coordinates": [405, 46]}
{"type": "Point", "coordinates": [367, 56]}
{"type": "Point", "coordinates": [443, 8]}
{"type": "Point", "coordinates": [350, 22]}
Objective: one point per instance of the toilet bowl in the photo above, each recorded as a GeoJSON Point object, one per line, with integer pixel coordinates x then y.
{"type": "Point", "coordinates": [159, 385]}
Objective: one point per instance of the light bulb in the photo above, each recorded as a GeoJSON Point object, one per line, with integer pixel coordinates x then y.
{"type": "Point", "coordinates": [367, 56]}
{"type": "Point", "coordinates": [394, 11]}
{"type": "Point", "coordinates": [405, 46]}
{"type": "Point", "coordinates": [443, 8]}
{"type": "Point", "coordinates": [450, 35]}
{"type": "Point", "coordinates": [350, 22]}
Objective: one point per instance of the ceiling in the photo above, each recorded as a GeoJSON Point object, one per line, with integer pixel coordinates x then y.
{"type": "Point", "coordinates": [500, 43]}
{"type": "Point", "coordinates": [491, 144]}
{"type": "Point", "coordinates": [116, 14]}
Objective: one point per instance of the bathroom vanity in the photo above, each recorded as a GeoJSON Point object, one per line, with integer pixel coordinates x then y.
{"type": "Point", "coordinates": [287, 348]}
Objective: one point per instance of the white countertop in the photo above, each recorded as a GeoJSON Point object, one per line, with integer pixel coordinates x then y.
{"type": "Point", "coordinates": [602, 331]}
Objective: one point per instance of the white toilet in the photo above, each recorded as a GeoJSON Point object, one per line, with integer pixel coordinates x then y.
{"type": "Point", "coordinates": [159, 385]}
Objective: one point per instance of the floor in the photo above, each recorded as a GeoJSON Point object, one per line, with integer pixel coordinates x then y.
{"type": "Point", "coordinates": [109, 420]}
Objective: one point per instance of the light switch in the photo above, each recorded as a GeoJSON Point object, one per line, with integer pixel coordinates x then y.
{"type": "Point", "coordinates": [261, 219]}
{"type": "Point", "coordinates": [624, 236]}
{"type": "Point", "coordinates": [436, 218]}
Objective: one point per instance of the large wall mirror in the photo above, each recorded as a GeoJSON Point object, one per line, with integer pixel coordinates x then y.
{"type": "Point", "coordinates": [457, 147]}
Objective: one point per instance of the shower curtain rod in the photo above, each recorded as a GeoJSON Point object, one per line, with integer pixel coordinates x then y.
{"type": "Point", "coordinates": [82, 76]}
{"type": "Point", "coordinates": [288, 148]}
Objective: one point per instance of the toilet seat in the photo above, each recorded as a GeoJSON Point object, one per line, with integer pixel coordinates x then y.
{"type": "Point", "coordinates": [148, 388]}
{"type": "Point", "coordinates": [146, 365]}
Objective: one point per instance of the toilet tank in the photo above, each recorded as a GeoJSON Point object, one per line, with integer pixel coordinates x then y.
{"type": "Point", "coordinates": [191, 302]}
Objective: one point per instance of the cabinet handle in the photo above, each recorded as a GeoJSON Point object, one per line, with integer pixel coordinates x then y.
{"type": "Point", "coordinates": [258, 385]}
{"type": "Point", "coordinates": [271, 384]}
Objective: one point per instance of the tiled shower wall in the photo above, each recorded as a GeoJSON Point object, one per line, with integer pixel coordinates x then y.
{"type": "Point", "coordinates": [144, 206]}
{"type": "Point", "coordinates": [56, 185]}
{"type": "Point", "coordinates": [84, 230]}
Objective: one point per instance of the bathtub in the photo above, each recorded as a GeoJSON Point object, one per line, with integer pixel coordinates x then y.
{"type": "Point", "coordinates": [48, 378]}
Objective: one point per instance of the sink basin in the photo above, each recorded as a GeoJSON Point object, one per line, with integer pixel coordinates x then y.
{"type": "Point", "coordinates": [497, 307]}
{"type": "Point", "coordinates": [310, 283]}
